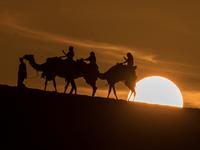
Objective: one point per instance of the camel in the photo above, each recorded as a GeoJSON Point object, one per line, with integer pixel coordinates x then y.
{"type": "Point", "coordinates": [118, 73]}
{"type": "Point", "coordinates": [69, 70]}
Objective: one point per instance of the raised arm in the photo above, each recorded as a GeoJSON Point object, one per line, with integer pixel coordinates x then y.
{"type": "Point", "coordinates": [124, 61]}
{"type": "Point", "coordinates": [87, 59]}
{"type": "Point", "coordinates": [64, 52]}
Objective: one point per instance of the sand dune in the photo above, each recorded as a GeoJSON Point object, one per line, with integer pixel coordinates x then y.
{"type": "Point", "coordinates": [34, 119]}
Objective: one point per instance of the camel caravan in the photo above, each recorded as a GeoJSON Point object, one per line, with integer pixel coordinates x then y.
{"type": "Point", "coordinates": [65, 67]}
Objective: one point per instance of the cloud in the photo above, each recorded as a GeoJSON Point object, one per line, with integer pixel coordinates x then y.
{"type": "Point", "coordinates": [110, 49]}
{"type": "Point", "coordinates": [191, 99]}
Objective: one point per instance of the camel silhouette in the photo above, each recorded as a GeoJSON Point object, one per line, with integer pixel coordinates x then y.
{"type": "Point", "coordinates": [69, 70]}
{"type": "Point", "coordinates": [118, 73]}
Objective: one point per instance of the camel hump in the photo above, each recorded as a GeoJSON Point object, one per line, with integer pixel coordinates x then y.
{"type": "Point", "coordinates": [53, 60]}
{"type": "Point", "coordinates": [118, 68]}
{"type": "Point", "coordinates": [122, 72]}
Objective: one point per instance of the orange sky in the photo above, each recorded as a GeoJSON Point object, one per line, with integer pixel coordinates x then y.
{"type": "Point", "coordinates": [163, 37]}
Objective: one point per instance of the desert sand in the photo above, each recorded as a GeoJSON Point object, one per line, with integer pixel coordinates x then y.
{"type": "Point", "coordinates": [35, 119]}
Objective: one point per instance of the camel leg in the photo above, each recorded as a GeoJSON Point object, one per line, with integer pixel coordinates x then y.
{"type": "Point", "coordinates": [94, 90]}
{"type": "Point", "coordinates": [114, 92]}
{"type": "Point", "coordinates": [134, 94]}
{"type": "Point", "coordinates": [66, 86]}
{"type": "Point", "coordinates": [130, 96]}
{"type": "Point", "coordinates": [109, 91]}
{"type": "Point", "coordinates": [54, 84]}
{"type": "Point", "coordinates": [73, 87]}
{"type": "Point", "coordinates": [45, 85]}
{"type": "Point", "coordinates": [92, 83]}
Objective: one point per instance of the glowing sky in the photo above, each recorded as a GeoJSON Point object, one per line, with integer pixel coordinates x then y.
{"type": "Point", "coordinates": [163, 37]}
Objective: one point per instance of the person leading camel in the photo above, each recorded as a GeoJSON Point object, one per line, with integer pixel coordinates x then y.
{"type": "Point", "coordinates": [22, 74]}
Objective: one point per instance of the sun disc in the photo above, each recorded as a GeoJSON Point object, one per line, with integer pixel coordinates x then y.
{"type": "Point", "coordinates": [158, 90]}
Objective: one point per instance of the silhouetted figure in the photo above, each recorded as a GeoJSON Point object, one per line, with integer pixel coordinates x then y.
{"type": "Point", "coordinates": [118, 73]}
{"type": "Point", "coordinates": [93, 65]}
{"type": "Point", "coordinates": [60, 68]}
{"type": "Point", "coordinates": [92, 69]}
{"type": "Point", "coordinates": [50, 63]}
{"type": "Point", "coordinates": [70, 62]}
{"type": "Point", "coordinates": [50, 66]}
{"type": "Point", "coordinates": [129, 60]}
{"type": "Point", "coordinates": [22, 74]}
{"type": "Point", "coordinates": [70, 54]}
{"type": "Point", "coordinates": [129, 69]}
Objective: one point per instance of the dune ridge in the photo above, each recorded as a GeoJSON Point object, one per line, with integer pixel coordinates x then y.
{"type": "Point", "coordinates": [36, 119]}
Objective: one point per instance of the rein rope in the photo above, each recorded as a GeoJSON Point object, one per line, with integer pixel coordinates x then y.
{"type": "Point", "coordinates": [34, 76]}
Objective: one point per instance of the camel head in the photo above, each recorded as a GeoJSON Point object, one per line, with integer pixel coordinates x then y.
{"type": "Point", "coordinates": [28, 57]}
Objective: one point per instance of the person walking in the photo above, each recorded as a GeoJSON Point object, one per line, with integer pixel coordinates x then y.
{"type": "Point", "coordinates": [22, 73]}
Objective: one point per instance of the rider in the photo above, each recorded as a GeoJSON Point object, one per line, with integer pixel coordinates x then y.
{"type": "Point", "coordinates": [92, 59]}
{"type": "Point", "coordinates": [130, 75]}
{"type": "Point", "coordinates": [92, 72]}
{"type": "Point", "coordinates": [129, 60]}
{"type": "Point", "coordinates": [70, 54]}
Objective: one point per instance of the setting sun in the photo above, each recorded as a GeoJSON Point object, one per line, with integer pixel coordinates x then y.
{"type": "Point", "coordinates": [158, 90]}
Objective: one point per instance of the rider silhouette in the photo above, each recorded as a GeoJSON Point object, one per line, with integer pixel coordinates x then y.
{"type": "Point", "coordinates": [71, 64]}
{"type": "Point", "coordinates": [92, 71]}
{"type": "Point", "coordinates": [130, 70]}
{"type": "Point", "coordinates": [129, 60]}
{"type": "Point", "coordinates": [70, 54]}
{"type": "Point", "coordinates": [22, 74]}
{"type": "Point", "coordinates": [93, 65]}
